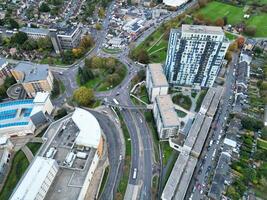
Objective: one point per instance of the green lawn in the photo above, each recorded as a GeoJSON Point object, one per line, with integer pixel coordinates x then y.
{"type": "Point", "coordinates": [34, 147]}
{"type": "Point", "coordinates": [166, 151]}
{"type": "Point", "coordinates": [18, 167]}
{"type": "Point", "coordinates": [230, 36]}
{"type": "Point", "coordinates": [182, 100]}
{"type": "Point", "coordinates": [215, 9]}
{"type": "Point", "coordinates": [235, 15]}
{"type": "Point", "coordinates": [200, 99]}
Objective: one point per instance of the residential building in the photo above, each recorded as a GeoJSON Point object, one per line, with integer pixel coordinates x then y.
{"type": "Point", "coordinates": [165, 117]}
{"type": "Point", "coordinates": [4, 69]}
{"type": "Point", "coordinates": [37, 180]}
{"type": "Point", "coordinates": [65, 37]}
{"type": "Point", "coordinates": [195, 55]}
{"type": "Point", "coordinates": [22, 117]}
{"type": "Point", "coordinates": [35, 33]}
{"type": "Point", "coordinates": [33, 77]}
{"type": "Point", "coordinates": [175, 3]}
{"type": "Point", "coordinates": [156, 82]}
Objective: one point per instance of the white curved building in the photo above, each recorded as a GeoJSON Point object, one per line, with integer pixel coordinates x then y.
{"type": "Point", "coordinates": [174, 3]}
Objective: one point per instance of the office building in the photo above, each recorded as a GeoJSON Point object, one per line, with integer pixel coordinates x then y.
{"type": "Point", "coordinates": [37, 180]}
{"type": "Point", "coordinates": [195, 55]}
{"type": "Point", "coordinates": [21, 117]}
{"type": "Point", "coordinates": [33, 77]}
{"type": "Point", "coordinates": [65, 37]}
{"type": "Point", "coordinates": [165, 117]}
{"type": "Point", "coordinates": [156, 82]}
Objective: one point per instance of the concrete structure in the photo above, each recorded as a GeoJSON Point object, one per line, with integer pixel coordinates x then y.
{"type": "Point", "coordinates": [165, 117]}
{"type": "Point", "coordinates": [195, 55]}
{"type": "Point", "coordinates": [65, 38]}
{"type": "Point", "coordinates": [35, 33]}
{"type": "Point", "coordinates": [175, 3]}
{"type": "Point", "coordinates": [33, 77]}
{"type": "Point", "coordinates": [36, 182]}
{"type": "Point", "coordinates": [190, 150]}
{"type": "Point", "coordinates": [75, 134]}
{"type": "Point", "coordinates": [4, 69]}
{"type": "Point", "coordinates": [156, 82]}
{"type": "Point", "coordinates": [21, 117]}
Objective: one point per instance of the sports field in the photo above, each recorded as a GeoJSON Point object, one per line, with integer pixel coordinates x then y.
{"type": "Point", "coordinates": [215, 10]}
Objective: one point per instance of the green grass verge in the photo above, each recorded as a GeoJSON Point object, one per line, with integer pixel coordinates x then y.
{"type": "Point", "coordinates": [182, 100]}
{"type": "Point", "coordinates": [127, 161]}
{"type": "Point", "coordinates": [169, 169]}
{"type": "Point", "coordinates": [112, 51]}
{"type": "Point", "coordinates": [34, 147]}
{"type": "Point", "coordinates": [166, 152]}
{"type": "Point", "coordinates": [18, 167]}
{"type": "Point", "coordinates": [262, 143]}
{"type": "Point", "coordinates": [104, 180]}
{"type": "Point", "coordinates": [230, 36]}
{"type": "Point", "coordinates": [200, 99]}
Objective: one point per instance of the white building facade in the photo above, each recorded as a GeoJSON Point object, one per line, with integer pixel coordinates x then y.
{"type": "Point", "coordinates": [156, 82]}
{"type": "Point", "coordinates": [195, 55]}
{"type": "Point", "coordinates": [37, 180]}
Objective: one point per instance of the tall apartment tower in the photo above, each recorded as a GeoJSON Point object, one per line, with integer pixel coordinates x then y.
{"type": "Point", "coordinates": [195, 55]}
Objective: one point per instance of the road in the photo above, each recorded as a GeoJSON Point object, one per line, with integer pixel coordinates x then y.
{"type": "Point", "coordinates": [114, 145]}
{"type": "Point", "coordinates": [206, 162]}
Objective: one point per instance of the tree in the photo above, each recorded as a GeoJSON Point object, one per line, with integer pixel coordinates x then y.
{"type": "Point", "coordinates": [19, 38]}
{"type": "Point", "coordinates": [45, 44]}
{"type": "Point", "coordinates": [225, 19]}
{"type": "Point", "coordinates": [219, 22]}
{"type": "Point", "coordinates": [143, 56]}
{"type": "Point", "coordinates": [250, 30]}
{"type": "Point", "coordinates": [87, 41]}
{"type": "Point", "coordinates": [233, 46]}
{"type": "Point", "coordinates": [264, 133]}
{"type": "Point", "coordinates": [44, 7]}
{"type": "Point", "coordinates": [113, 79]}
{"type": "Point", "coordinates": [67, 57]}
{"type": "Point", "coordinates": [77, 52]}
{"type": "Point", "coordinates": [29, 45]}
{"type": "Point", "coordinates": [83, 96]}
{"type": "Point", "coordinates": [240, 42]}
{"type": "Point", "coordinates": [98, 26]}
{"type": "Point", "coordinates": [96, 62]}
{"type": "Point", "coordinates": [101, 12]}
{"type": "Point", "coordinates": [202, 3]}
{"type": "Point", "coordinates": [13, 23]}
{"type": "Point", "coordinates": [251, 124]}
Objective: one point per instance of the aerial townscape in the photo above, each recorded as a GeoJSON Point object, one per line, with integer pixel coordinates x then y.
{"type": "Point", "coordinates": [133, 99]}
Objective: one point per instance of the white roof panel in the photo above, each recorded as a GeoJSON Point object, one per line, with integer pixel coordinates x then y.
{"type": "Point", "coordinates": [90, 131]}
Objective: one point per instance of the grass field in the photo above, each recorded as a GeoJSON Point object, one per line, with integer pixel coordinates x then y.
{"type": "Point", "coordinates": [18, 167]}
{"type": "Point", "coordinates": [215, 10]}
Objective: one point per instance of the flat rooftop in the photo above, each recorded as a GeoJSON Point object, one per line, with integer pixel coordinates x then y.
{"type": "Point", "coordinates": [157, 75]}
{"type": "Point", "coordinates": [201, 29]}
{"type": "Point", "coordinates": [33, 179]}
{"type": "Point", "coordinates": [40, 31]}
{"type": "Point", "coordinates": [167, 111]}
{"type": "Point", "coordinates": [32, 71]}
{"type": "Point", "coordinates": [69, 181]}
{"type": "Point", "coordinates": [194, 130]}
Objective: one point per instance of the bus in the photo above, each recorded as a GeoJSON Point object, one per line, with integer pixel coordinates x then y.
{"type": "Point", "coordinates": [115, 101]}
{"type": "Point", "coordinates": [134, 173]}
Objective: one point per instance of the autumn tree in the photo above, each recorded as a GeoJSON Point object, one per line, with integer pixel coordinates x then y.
{"type": "Point", "coordinates": [83, 96]}
{"type": "Point", "coordinates": [87, 41]}
{"type": "Point", "coordinates": [219, 22]}
{"type": "Point", "coordinates": [240, 42]}
{"type": "Point", "coordinates": [101, 12]}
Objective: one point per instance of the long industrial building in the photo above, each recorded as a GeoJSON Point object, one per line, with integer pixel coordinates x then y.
{"type": "Point", "coordinates": [195, 55]}
{"type": "Point", "coordinates": [190, 151]}
{"type": "Point", "coordinates": [156, 82]}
